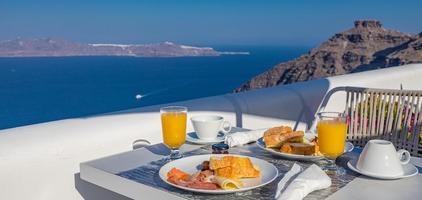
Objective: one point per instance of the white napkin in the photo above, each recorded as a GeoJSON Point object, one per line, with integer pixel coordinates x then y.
{"type": "Point", "coordinates": [241, 138]}
{"type": "Point", "coordinates": [308, 181]}
{"type": "Point", "coordinates": [287, 176]}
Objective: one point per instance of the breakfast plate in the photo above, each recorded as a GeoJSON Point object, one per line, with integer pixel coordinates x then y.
{"type": "Point", "coordinates": [192, 165]}
{"type": "Point", "coordinates": [193, 138]}
{"type": "Point", "coordinates": [347, 148]}
{"type": "Point", "coordinates": [409, 171]}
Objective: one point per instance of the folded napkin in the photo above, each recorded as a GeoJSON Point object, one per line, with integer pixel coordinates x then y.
{"type": "Point", "coordinates": [287, 176]}
{"type": "Point", "coordinates": [313, 178]}
{"type": "Point", "coordinates": [241, 138]}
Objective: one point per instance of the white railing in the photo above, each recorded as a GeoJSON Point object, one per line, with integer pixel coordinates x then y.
{"type": "Point", "coordinates": [41, 161]}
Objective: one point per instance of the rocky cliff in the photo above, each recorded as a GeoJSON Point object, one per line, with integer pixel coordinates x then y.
{"type": "Point", "coordinates": [364, 47]}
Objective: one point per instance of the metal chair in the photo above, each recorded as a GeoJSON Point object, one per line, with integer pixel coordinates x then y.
{"type": "Point", "coordinates": [393, 115]}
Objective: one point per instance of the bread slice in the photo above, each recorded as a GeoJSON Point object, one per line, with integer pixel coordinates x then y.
{"type": "Point", "coordinates": [278, 130]}
{"type": "Point", "coordinates": [271, 135]}
{"type": "Point", "coordinates": [274, 140]}
{"type": "Point", "coordinates": [299, 148]}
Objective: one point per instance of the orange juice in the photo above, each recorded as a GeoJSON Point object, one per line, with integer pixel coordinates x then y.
{"type": "Point", "coordinates": [174, 128]}
{"type": "Point", "coordinates": [331, 137]}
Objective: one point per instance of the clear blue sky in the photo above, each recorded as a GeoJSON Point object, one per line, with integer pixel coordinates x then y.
{"type": "Point", "coordinates": [200, 22]}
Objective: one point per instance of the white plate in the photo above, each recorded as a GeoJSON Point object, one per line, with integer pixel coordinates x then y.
{"type": "Point", "coordinates": [409, 170]}
{"type": "Point", "coordinates": [347, 148]}
{"type": "Point", "coordinates": [191, 165]}
{"type": "Point", "coordinates": [193, 138]}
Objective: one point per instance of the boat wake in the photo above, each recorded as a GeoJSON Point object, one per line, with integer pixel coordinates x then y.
{"type": "Point", "coordinates": [155, 92]}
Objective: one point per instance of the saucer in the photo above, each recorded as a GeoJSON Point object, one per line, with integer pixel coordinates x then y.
{"type": "Point", "coordinates": [193, 138]}
{"type": "Point", "coordinates": [409, 171]}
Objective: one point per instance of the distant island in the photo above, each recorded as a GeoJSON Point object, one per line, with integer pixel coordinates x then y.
{"type": "Point", "coordinates": [364, 47]}
{"type": "Point", "coordinates": [49, 47]}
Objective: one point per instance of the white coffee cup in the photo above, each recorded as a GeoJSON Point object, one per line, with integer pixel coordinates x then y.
{"type": "Point", "coordinates": [380, 157]}
{"type": "Point", "coordinates": [207, 127]}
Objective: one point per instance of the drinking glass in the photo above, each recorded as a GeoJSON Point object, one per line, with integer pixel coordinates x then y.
{"type": "Point", "coordinates": [332, 129]}
{"type": "Point", "coordinates": [173, 122]}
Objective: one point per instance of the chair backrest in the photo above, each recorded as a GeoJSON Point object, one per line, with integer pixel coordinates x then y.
{"type": "Point", "coordinates": [393, 115]}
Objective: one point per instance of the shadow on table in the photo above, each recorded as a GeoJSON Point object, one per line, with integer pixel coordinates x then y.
{"type": "Point", "coordinates": [159, 149]}
{"type": "Point", "coordinates": [345, 158]}
{"type": "Point", "coordinates": [89, 191]}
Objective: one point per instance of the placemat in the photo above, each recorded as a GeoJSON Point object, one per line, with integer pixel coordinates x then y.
{"type": "Point", "coordinates": [148, 175]}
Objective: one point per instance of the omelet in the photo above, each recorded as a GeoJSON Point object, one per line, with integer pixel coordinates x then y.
{"type": "Point", "coordinates": [216, 162]}
{"type": "Point", "coordinates": [234, 167]}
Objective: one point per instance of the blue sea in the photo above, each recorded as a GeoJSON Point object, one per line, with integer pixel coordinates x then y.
{"type": "Point", "coordinates": [34, 90]}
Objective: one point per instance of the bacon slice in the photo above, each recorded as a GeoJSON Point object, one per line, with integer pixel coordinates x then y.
{"type": "Point", "coordinates": [199, 180]}
{"type": "Point", "coordinates": [202, 176]}
{"type": "Point", "coordinates": [203, 185]}
{"type": "Point", "coordinates": [176, 175]}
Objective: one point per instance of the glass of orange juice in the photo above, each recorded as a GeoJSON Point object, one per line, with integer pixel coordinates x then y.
{"type": "Point", "coordinates": [173, 122]}
{"type": "Point", "coordinates": [332, 129]}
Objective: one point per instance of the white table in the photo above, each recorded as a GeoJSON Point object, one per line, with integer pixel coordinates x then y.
{"type": "Point", "coordinates": [102, 172]}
